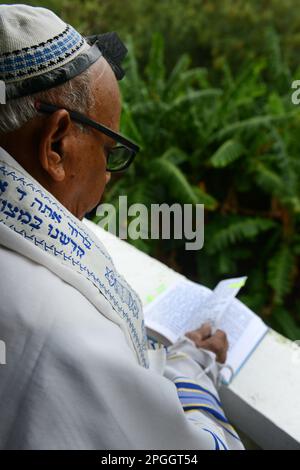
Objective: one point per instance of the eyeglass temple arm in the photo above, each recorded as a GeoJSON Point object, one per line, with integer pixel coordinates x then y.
{"type": "Point", "coordinates": [80, 118]}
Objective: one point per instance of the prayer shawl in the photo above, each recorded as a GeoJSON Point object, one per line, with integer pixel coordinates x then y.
{"type": "Point", "coordinates": [34, 223]}
{"type": "Point", "coordinates": [78, 371]}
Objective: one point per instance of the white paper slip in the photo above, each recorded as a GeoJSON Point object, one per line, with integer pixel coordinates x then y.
{"type": "Point", "coordinates": [220, 299]}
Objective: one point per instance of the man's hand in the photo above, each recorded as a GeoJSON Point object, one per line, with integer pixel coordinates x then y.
{"type": "Point", "coordinates": [216, 343]}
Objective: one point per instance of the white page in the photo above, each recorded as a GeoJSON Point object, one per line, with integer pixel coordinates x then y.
{"type": "Point", "coordinates": [244, 331]}
{"type": "Point", "coordinates": [173, 313]}
{"type": "Point", "coordinates": [220, 299]}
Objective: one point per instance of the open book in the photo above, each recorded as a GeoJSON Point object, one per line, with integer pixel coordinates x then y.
{"type": "Point", "coordinates": [186, 305]}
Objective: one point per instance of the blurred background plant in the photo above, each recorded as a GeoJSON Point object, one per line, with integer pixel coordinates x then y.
{"type": "Point", "coordinates": [207, 96]}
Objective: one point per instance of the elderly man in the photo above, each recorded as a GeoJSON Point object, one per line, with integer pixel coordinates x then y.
{"type": "Point", "coordinates": [78, 372]}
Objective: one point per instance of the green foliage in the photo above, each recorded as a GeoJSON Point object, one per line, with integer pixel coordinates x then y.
{"type": "Point", "coordinates": [209, 29]}
{"type": "Point", "coordinates": [280, 269]}
{"type": "Point", "coordinates": [284, 322]}
{"type": "Point", "coordinates": [227, 153]}
{"type": "Point", "coordinates": [233, 148]}
{"type": "Point", "coordinates": [238, 229]}
{"type": "Point", "coordinates": [209, 102]}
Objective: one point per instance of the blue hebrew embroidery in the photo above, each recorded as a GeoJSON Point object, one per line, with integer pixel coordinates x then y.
{"type": "Point", "coordinates": [3, 186]}
{"type": "Point", "coordinates": [64, 239]}
{"type": "Point", "coordinates": [23, 193]}
{"type": "Point", "coordinates": [50, 210]}
{"type": "Point", "coordinates": [24, 217]}
{"type": "Point", "coordinates": [122, 291]}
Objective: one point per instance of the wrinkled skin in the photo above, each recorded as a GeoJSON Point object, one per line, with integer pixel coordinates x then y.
{"type": "Point", "coordinates": [70, 163]}
{"type": "Point", "coordinates": [217, 342]}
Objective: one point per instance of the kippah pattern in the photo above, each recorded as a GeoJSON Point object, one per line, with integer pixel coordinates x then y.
{"type": "Point", "coordinates": [45, 56]}
{"type": "Point", "coordinates": [39, 51]}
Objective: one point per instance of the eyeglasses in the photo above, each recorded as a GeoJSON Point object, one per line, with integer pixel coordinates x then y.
{"type": "Point", "coordinates": [118, 158]}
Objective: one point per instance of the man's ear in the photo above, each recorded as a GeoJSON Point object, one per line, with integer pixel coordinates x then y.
{"type": "Point", "coordinates": [51, 148]}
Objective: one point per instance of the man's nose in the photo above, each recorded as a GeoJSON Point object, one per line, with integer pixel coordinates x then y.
{"type": "Point", "coordinates": [107, 177]}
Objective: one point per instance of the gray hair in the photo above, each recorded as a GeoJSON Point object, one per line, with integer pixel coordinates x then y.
{"type": "Point", "coordinates": [75, 94]}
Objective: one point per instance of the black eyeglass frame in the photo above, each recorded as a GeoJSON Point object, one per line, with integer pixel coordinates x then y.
{"type": "Point", "coordinates": [82, 119]}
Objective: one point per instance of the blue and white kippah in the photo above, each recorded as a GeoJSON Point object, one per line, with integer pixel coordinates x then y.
{"type": "Point", "coordinates": [38, 50]}
{"type": "Point", "coordinates": [34, 40]}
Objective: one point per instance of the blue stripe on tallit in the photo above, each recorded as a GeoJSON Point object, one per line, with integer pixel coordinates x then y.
{"type": "Point", "coordinates": [195, 386]}
{"type": "Point", "coordinates": [218, 441]}
{"type": "Point", "coordinates": [194, 397]}
{"type": "Point", "coordinates": [183, 394]}
{"type": "Point", "coordinates": [208, 409]}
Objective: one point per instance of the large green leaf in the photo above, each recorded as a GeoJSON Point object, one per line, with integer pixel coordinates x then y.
{"type": "Point", "coordinates": [227, 153]}
{"type": "Point", "coordinates": [285, 323]}
{"type": "Point", "coordinates": [280, 269]}
{"type": "Point", "coordinates": [155, 69]}
{"type": "Point", "coordinates": [176, 182]}
{"type": "Point", "coordinates": [246, 228]}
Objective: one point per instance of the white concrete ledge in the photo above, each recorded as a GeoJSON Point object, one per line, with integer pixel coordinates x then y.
{"type": "Point", "coordinates": [263, 399]}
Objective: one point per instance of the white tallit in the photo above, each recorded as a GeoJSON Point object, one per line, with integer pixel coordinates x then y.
{"type": "Point", "coordinates": [77, 374]}
{"type": "Point", "coordinates": [34, 223]}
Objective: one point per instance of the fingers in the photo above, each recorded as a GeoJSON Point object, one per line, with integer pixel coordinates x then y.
{"type": "Point", "coordinates": [205, 330]}
{"type": "Point", "coordinates": [200, 334]}
{"type": "Point", "coordinates": [218, 344]}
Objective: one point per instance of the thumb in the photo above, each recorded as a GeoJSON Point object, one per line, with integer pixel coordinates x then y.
{"type": "Point", "coordinates": [200, 334]}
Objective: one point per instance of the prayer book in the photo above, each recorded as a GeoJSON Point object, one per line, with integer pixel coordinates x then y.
{"type": "Point", "coordinates": [185, 306]}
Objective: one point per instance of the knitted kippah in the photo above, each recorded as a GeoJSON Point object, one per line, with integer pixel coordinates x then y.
{"type": "Point", "coordinates": [38, 50]}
